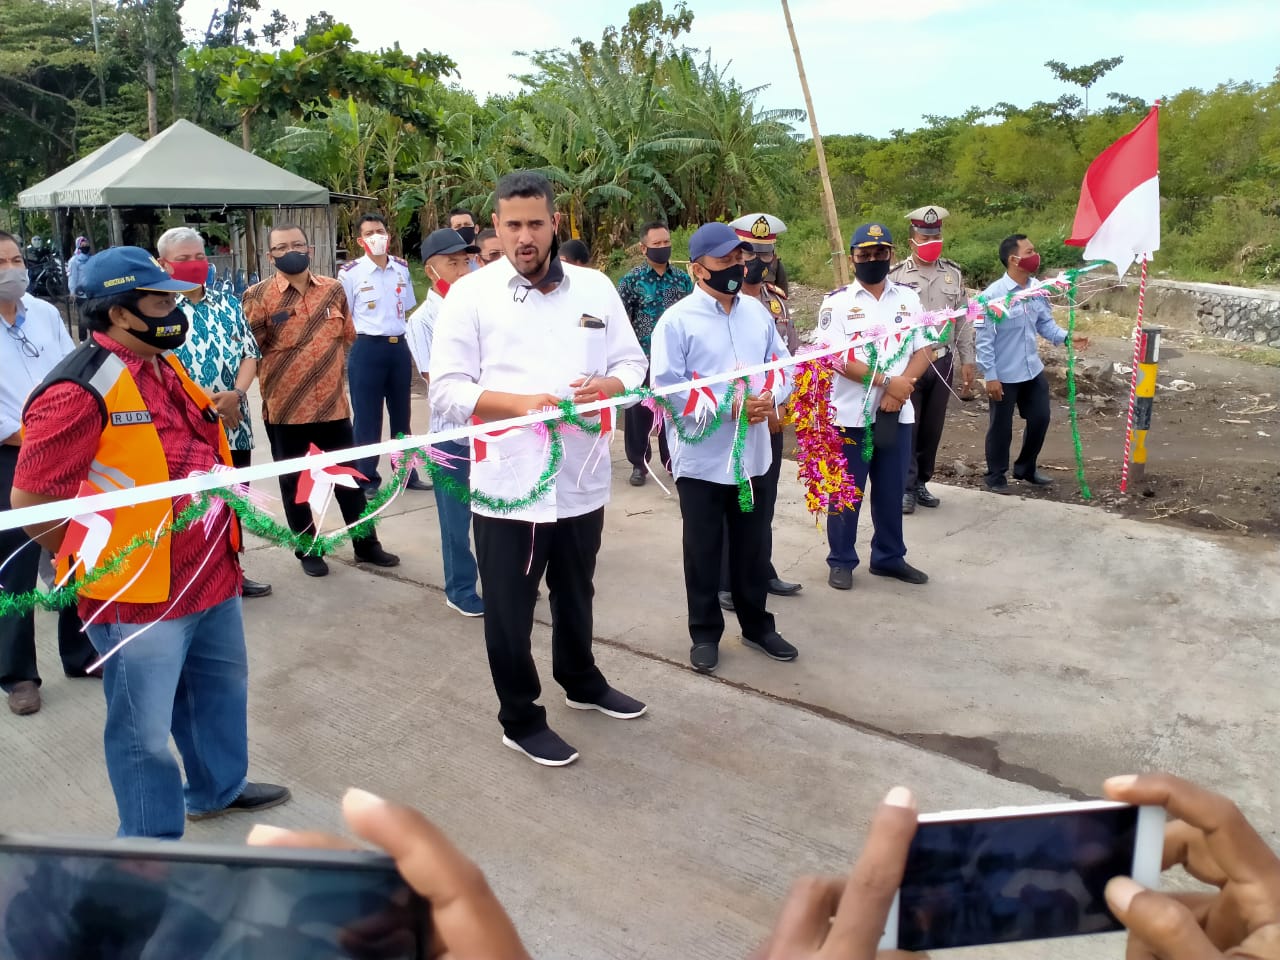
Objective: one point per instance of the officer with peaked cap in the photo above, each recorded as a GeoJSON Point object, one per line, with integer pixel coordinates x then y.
{"type": "Point", "coordinates": [761, 231]}
{"type": "Point", "coordinates": [940, 286]}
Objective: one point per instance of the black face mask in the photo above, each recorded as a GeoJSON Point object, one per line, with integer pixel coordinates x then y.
{"type": "Point", "coordinates": [657, 255]}
{"type": "Point", "coordinates": [467, 233]}
{"type": "Point", "coordinates": [755, 272]}
{"type": "Point", "coordinates": [871, 272]}
{"type": "Point", "coordinates": [164, 333]}
{"type": "Point", "coordinates": [293, 262]}
{"type": "Point", "coordinates": [728, 280]}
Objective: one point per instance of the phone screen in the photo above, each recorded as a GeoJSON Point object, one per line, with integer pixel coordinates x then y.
{"type": "Point", "coordinates": [56, 905]}
{"type": "Point", "coordinates": [1024, 877]}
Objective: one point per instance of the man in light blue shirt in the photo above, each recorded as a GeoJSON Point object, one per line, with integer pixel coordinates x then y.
{"type": "Point", "coordinates": [715, 330]}
{"type": "Point", "coordinates": [1009, 358]}
{"type": "Point", "coordinates": [32, 341]}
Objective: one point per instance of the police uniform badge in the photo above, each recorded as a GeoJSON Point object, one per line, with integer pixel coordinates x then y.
{"type": "Point", "coordinates": [931, 218]}
{"type": "Point", "coordinates": [824, 318]}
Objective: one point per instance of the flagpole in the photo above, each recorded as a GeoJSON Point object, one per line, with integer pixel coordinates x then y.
{"type": "Point", "coordinates": [1133, 379]}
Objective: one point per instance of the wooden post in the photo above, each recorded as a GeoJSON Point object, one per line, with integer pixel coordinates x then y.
{"type": "Point", "coordinates": [839, 259]}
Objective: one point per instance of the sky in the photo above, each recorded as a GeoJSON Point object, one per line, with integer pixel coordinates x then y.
{"type": "Point", "coordinates": [872, 66]}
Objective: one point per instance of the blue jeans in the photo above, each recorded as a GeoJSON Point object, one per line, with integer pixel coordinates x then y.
{"type": "Point", "coordinates": [188, 677]}
{"type": "Point", "coordinates": [887, 472]}
{"type": "Point", "coordinates": [455, 527]}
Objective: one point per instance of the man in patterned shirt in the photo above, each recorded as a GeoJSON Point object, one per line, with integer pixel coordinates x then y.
{"type": "Point", "coordinates": [303, 327]}
{"type": "Point", "coordinates": [219, 352]}
{"type": "Point", "coordinates": [646, 293]}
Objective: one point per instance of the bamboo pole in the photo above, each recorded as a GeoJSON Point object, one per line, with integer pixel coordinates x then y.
{"type": "Point", "coordinates": [839, 261]}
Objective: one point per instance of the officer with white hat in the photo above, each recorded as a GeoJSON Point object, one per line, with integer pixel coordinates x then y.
{"type": "Point", "coordinates": [761, 230]}
{"type": "Point", "coordinates": [940, 286]}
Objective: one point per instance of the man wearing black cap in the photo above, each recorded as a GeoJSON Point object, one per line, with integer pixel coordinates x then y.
{"type": "Point", "coordinates": [873, 393]}
{"type": "Point", "coordinates": [715, 330]}
{"type": "Point", "coordinates": [446, 259]}
{"type": "Point", "coordinates": [118, 413]}
{"type": "Point", "coordinates": [938, 283]}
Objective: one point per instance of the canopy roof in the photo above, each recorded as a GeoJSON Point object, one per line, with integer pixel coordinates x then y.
{"type": "Point", "coordinates": [44, 193]}
{"type": "Point", "coordinates": [186, 166]}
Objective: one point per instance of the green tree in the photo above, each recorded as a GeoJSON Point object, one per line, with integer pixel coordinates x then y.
{"type": "Point", "coordinates": [1085, 75]}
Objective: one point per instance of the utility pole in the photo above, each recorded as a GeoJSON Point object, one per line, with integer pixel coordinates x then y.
{"type": "Point", "coordinates": [97, 53]}
{"type": "Point", "coordinates": [839, 258]}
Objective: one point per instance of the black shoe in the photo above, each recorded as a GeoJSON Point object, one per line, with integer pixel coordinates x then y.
{"type": "Point", "coordinates": [925, 498]}
{"type": "Point", "coordinates": [374, 554]}
{"type": "Point", "coordinates": [613, 704]}
{"type": "Point", "coordinates": [254, 798]}
{"type": "Point", "coordinates": [705, 657]}
{"type": "Point", "coordinates": [904, 572]}
{"type": "Point", "coordinates": [544, 747]}
{"type": "Point", "coordinates": [637, 477]}
{"type": "Point", "coordinates": [1000, 486]}
{"type": "Point", "coordinates": [417, 483]}
{"type": "Point", "coordinates": [783, 588]}
{"type": "Point", "coordinates": [840, 578]}
{"type": "Point", "coordinates": [773, 646]}
{"type": "Point", "coordinates": [315, 566]}
{"type": "Point", "coordinates": [252, 588]}
{"type": "Point", "coordinates": [370, 492]}
{"type": "Point", "coordinates": [1037, 479]}
{"type": "Point", "coordinates": [908, 503]}
{"type": "Point", "coordinates": [726, 599]}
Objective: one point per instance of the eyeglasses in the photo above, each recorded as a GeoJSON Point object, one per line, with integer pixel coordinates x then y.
{"type": "Point", "coordinates": [281, 248]}
{"type": "Point", "coordinates": [28, 348]}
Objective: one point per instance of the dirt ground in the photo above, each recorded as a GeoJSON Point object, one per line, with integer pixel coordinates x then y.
{"type": "Point", "coordinates": [1213, 448]}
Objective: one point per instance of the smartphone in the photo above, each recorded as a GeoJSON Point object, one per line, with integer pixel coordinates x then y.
{"type": "Point", "coordinates": [144, 899]}
{"type": "Point", "coordinates": [975, 877]}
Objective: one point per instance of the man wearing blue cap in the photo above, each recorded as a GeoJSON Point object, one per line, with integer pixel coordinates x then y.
{"type": "Point", "coordinates": [715, 330]}
{"type": "Point", "coordinates": [873, 393]}
{"type": "Point", "coordinates": [121, 412]}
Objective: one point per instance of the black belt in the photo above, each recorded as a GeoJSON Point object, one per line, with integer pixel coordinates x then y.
{"type": "Point", "coordinates": [369, 336]}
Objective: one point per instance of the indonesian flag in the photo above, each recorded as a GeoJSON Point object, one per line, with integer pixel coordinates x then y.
{"type": "Point", "coordinates": [315, 486]}
{"type": "Point", "coordinates": [87, 534]}
{"type": "Point", "coordinates": [1118, 218]}
{"type": "Point", "coordinates": [775, 378]}
{"type": "Point", "coordinates": [480, 451]}
{"type": "Point", "coordinates": [701, 403]}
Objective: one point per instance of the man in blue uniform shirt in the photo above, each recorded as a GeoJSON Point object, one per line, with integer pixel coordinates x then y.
{"type": "Point", "coordinates": [1009, 359]}
{"type": "Point", "coordinates": [379, 366]}
{"type": "Point", "coordinates": [715, 330]}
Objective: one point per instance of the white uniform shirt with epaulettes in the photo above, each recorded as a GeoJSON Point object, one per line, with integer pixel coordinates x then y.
{"type": "Point", "coordinates": [380, 297]}
{"type": "Point", "coordinates": [940, 286]}
{"type": "Point", "coordinates": [848, 314]}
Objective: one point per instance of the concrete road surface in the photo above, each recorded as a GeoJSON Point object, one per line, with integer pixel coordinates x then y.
{"type": "Point", "coordinates": [1054, 646]}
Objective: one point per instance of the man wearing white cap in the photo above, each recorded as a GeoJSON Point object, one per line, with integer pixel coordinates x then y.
{"type": "Point", "coordinates": [761, 230]}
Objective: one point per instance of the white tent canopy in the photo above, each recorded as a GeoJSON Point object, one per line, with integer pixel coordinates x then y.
{"type": "Point", "coordinates": [185, 166]}
{"type": "Point", "coordinates": [44, 195]}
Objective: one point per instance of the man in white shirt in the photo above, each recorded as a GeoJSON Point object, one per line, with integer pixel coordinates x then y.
{"type": "Point", "coordinates": [715, 330]}
{"type": "Point", "coordinates": [33, 341]}
{"type": "Point", "coordinates": [446, 259]}
{"type": "Point", "coordinates": [872, 394]}
{"type": "Point", "coordinates": [379, 367]}
{"type": "Point", "coordinates": [511, 339]}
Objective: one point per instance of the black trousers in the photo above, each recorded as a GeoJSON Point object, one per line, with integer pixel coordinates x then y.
{"type": "Point", "coordinates": [512, 556]}
{"type": "Point", "coordinates": [379, 374]}
{"type": "Point", "coordinates": [765, 489]}
{"type": "Point", "coordinates": [1031, 397]}
{"type": "Point", "coordinates": [293, 440]}
{"type": "Point", "coordinates": [707, 509]}
{"type": "Point", "coordinates": [930, 398]}
{"type": "Point", "coordinates": [21, 561]}
{"type": "Point", "coordinates": [637, 421]}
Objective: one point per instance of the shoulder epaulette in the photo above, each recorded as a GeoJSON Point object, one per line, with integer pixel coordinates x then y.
{"type": "Point", "coordinates": [776, 290]}
{"type": "Point", "coordinates": [400, 260]}
{"type": "Point", "coordinates": [832, 293]}
{"type": "Point", "coordinates": [951, 263]}
{"type": "Point", "coordinates": [347, 266]}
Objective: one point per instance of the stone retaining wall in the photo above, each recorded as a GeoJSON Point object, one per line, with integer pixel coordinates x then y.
{"type": "Point", "coordinates": [1243, 314]}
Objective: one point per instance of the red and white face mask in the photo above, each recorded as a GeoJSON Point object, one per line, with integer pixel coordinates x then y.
{"type": "Point", "coordinates": [929, 251]}
{"type": "Point", "coordinates": [375, 244]}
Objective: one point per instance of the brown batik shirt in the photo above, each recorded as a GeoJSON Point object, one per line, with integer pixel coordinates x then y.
{"type": "Point", "coordinates": [304, 339]}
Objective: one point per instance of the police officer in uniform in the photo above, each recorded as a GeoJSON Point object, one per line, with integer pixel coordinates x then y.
{"type": "Point", "coordinates": [940, 286]}
{"type": "Point", "coordinates": [761, 231]}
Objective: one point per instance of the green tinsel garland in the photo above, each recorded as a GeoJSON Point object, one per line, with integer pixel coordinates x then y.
{"type": "Point", "coordinates": [1071, 391]}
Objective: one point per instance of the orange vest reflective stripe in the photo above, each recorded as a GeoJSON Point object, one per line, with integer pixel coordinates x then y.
{"type": "Point", "coordinates": [129, 455]}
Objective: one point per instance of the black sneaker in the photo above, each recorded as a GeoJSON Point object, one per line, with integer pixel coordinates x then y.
{"type": "Point", "coordinates": [254, 798]}
{"type": "Point", "coordinates": [374, 554]}
{"type": "Point", "coordinates": [637, 477]}
{"type": "Point", "coordinates": [705, 657]}
{"type": "Point", "coordinates": [544, 747]}
{"type": "Point", "coordinates": [773, 646]}
{"type": "Point", "coordinates": [612, 704]}
{"type": "Point", "coordinates": [925, 498]}
{"type": "Point", "coordinates": [314, 566]}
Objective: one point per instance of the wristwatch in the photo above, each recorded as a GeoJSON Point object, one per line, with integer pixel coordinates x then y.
{"type": "Point", "coordinates": [240, 393]}
{"type": "Point", "coordinates": [884, 383]}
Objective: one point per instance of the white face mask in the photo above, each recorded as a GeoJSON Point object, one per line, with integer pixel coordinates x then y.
{"type": "Point", "coordinates": [376, 244]}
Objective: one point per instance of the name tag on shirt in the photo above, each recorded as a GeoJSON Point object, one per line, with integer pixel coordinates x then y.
{"type": "Point", "coordinates": [126, 418]}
